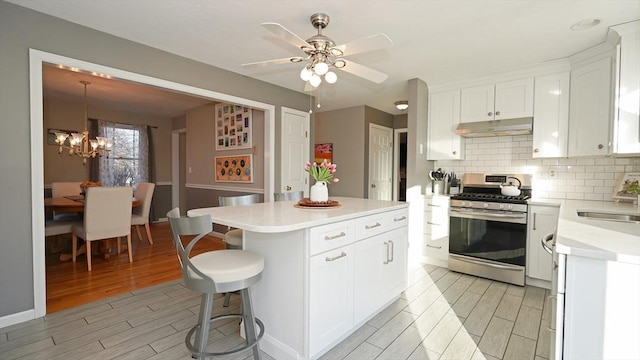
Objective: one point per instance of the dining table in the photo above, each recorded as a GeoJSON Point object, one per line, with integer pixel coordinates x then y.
{"type": "Point", "coordinates": [75, 204]}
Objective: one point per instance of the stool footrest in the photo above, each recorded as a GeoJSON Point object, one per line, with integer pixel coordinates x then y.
{"type": "Point", "coordinates": [249, 345]}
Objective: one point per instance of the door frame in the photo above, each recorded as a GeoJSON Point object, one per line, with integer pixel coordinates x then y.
{"type": "Point", "coordinates": [175, 166]}
{"type": "Point", "coordinates": [373, 125]}
{"type": "Point", "coordinates": [396, 161]}
{"type": "Point", "coordinates": [37, 59]}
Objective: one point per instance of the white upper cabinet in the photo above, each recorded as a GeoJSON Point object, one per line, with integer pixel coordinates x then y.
{"type": "Point", "coordinates": [551, 116]}
{"type": "Point", "coordinates": [626, 139]}
{"type": "Point", "coordinates": [505, 100]}
{"type": "Point", "coordinates": [590, 108]}
{"type": "Point", "coordinates": [444, 117]}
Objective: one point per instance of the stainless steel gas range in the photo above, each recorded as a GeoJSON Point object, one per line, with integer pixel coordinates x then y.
{"type": "Point", "coordinates": [488, 230]}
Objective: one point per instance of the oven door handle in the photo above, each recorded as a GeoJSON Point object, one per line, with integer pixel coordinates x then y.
{"type": "Point", "coordinates": [471, 214]}
{"type": "Point", "coordinates": [483, 263]}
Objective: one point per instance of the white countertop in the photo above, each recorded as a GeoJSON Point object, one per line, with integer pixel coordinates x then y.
{"type": "Point", "coordinates": [283, 216]}
{"type": "Point", "coordinates": [600, 239]}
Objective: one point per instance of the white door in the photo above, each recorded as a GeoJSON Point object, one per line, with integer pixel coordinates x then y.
{"type": "Point", "coordinates": [380, 162]}
{"type": "Point", "coordinates": [294, 150]}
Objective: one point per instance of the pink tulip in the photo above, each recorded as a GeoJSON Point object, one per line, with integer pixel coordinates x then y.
{"type": "Point", "coordinates": [336, 179]}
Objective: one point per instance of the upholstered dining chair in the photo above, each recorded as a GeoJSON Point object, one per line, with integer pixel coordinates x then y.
{"type": "Point", "coordinates": [107, 214]}
{"type": "Point", "coordinates": [215, 272]}
{"type": "Point", "coordinates": [140, 214]}
{"type": "Point", "coordinates": [289, 196]}
{"type": "Point", "coordinates": [60, 189]}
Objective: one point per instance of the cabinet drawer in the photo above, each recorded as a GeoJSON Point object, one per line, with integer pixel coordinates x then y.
{"type": "Point", "coordinates": [397, 218]}
{"type": "Point", "coordinates": [371, 225]}
{"type": "Point", "coordinates": [331, 236]}
{"type": "Point", "coordinates": [436, 247]}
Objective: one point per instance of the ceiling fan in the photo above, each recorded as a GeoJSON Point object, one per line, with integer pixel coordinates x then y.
{"type": "Point", "coordinates": [322, 54]}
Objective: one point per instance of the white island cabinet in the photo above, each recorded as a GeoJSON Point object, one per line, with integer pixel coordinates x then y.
{"type": "Point", "coordinates": [327, 270]}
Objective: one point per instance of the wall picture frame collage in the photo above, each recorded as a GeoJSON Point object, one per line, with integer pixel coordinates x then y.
{"type": "Point", "coordinates": [233, 127]}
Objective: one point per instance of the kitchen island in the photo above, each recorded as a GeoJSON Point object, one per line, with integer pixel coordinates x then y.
{"type": "Point", "coordinates": [597, 281]}
{"type": "Point", "coordinates": [327, 270]}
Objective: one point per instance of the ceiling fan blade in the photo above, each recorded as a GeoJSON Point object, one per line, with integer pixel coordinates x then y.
{"type": "Point", "coordinates": [364, 72]}
{"type": "Point", "coordinates": [286, 35]}
{"type": "Point", "coordinates": [369, 43]}
{"type": "Point", "coordinates": [288, 60]}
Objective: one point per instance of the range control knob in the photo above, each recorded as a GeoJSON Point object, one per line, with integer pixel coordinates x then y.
{"type": "Point", "coordinates": [510, 207]}
{"type": "Point", "coordinates": [470, 204]}
{"type": "Point", "coordinates": [485, 205]}
{"type": "Point", "coordinates": [501, 206]}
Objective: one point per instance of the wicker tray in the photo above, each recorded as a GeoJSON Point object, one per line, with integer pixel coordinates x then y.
{"type": "Point", "coordinates": [306, 203]}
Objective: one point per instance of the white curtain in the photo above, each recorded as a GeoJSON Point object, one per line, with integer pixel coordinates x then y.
{"type": "Point", "coordinates": [128, 163]}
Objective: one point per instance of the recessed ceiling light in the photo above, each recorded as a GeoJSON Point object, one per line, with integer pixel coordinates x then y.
{"type": "Point", "coordinates": [585, 24]}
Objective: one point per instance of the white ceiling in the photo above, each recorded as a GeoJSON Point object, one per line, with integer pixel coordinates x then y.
{"type": "Point", "coordinates": [434, 40]}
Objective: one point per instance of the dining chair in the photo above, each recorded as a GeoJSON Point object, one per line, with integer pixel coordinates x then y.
{"type": "Point", "coordinates": [289, 196]}
{"type": "Point", "coordinates": [60, 189]}
{"type": "Point", "coordinates": [107, 214]}
{"type": "Point", "coordinates": [215, 272]}
{"type": "Point", "coordinates": [140, 214]}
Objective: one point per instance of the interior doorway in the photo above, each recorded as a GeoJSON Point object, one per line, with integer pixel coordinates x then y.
{"type": "Point", "coordinates": [37, 59]}
{"type": "Point", "coordinates": [400, 165]}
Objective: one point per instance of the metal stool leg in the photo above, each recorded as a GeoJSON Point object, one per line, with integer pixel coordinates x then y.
{"type": "Point", "coordinates": [202, 334]}
{"type": "Point", "coordinates": [227, 298]}
{"type": "Point", "coordinates": [249, 322]}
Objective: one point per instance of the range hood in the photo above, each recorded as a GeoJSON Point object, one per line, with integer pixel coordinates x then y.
{"type": "Point", "coordinates": [519, 126]}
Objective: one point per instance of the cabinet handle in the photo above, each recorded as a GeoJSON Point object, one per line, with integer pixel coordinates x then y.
{"type": "Point", "coordinates": [497, 112]}
{"type": "Point", "coordinates": [435, 247]}
{"type": "Point", "coordinates": [373, 186]}
{"type": "Point", "coordinates": [536, 150]}
{"type": "Point", "coordinates": [545, 244]}
{"type": "Point", "coordinates": [600, 146]}
{"type": "Point", "coordinates": [392, 246]}
{"type": "Point", "coordinates": [343, 254]}
{"type": "Point", "coordinates": [432, 223]}
{"type": "Point", "coordinates": [400, 219]}
{"type": "Point", "coordinates": [534, 221]}
{"type": "Point", "coordinates": [386, 260]}
{"type": "Point", "coordinates": [490, 113]}
{"type": "Point", "coordinates": [288, 188]}
{"type": "Point", "coordinates": [455, 152]}
{"type": "Point", "coordinates": [327, 237]}
{"type": "Point", "coordinates": [433, 205]}
{"type": "Point", "coordinates": [372, 226]}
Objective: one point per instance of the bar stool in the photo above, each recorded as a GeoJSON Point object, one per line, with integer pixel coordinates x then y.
{"type": "Point", "coordinates": [214, 272]}
{"type": "Point", "coordinates": [233, 237]}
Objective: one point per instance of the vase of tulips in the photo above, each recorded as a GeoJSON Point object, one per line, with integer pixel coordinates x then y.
{"type": "Point", "coordinates": [322, 173]}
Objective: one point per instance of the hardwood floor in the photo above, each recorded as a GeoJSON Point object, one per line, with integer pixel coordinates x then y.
{"type": "Point", "coordinates": [70, 285]}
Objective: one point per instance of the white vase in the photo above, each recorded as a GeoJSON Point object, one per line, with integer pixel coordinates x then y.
{"type": "Point", "coordinates": [319, 192]}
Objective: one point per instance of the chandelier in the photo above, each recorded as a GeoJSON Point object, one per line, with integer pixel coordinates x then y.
{"type": "Point", "coordinates": [79, 143]}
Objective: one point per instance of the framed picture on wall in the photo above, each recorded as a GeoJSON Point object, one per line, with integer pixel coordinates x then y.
{"type": "Point", "coordinates": [233, 127]}
{"type": "Point", "coordinates": [234, 168]}
{"type": "Point", "coordinates": [323, 152]}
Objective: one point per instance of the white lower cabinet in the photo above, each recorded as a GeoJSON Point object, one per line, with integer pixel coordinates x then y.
{"type": "Point", "coordinates": [543, 220]}
{"type": "Point", "coordinates": [380, 271]}
{"type": "Point", "coordinates": [331, 296]}
{"type": "Point", "coordinates": [362, 266]}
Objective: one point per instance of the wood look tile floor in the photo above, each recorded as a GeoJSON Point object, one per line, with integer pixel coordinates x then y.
{"type": "Point", "coordinates": [442, 315]}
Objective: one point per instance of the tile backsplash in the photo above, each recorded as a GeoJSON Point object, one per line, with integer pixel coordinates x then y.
{"type": "Point", "coordinates": [583, 178]}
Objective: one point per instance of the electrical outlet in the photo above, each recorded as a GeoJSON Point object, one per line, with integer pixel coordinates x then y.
{"type": "Point", "coordinates": [552, 173]}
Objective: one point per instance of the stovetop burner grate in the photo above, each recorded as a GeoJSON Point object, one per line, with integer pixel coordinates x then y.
{"type": "Point", "coordinates": [520, 199]}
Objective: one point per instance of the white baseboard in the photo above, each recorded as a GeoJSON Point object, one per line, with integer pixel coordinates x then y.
{"type": "Point", "coordinates": [17, 318]}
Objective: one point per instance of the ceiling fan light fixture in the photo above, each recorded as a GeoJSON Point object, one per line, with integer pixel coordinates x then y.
{"type": "Point", "coordinates": [340, 63]}
{"type": "Point", "coordinates": [315, 80]}
{"type": "Point", "coordinates": [321, 68]}
{"type": "Point", "coordinates": [585, 24]}
{"type": "Point", "coordinates": [305, 74]}
{"type": "Point", "coordinates": [331, 77]}
{"type": "Point", "coordinates": [402, 105]}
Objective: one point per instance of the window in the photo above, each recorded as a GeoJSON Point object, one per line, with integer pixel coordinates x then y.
{"type": "Point", "coordinates": [128, 162]}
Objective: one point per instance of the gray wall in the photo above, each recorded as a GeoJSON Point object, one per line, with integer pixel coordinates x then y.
{"type": "Point", "coordinates": [348, 130]}
{"type": "Point", "coordinates": [21, 29]}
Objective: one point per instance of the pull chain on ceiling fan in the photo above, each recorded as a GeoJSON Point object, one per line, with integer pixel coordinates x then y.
{"type": "Point", "coordinates": [322, 54]}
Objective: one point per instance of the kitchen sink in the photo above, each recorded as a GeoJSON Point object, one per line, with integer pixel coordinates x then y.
{"type": "Point", "coordinates": [597, 215]}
